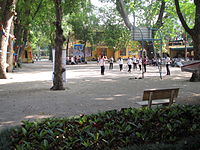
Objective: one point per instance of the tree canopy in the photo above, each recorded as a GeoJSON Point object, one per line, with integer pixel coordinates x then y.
{"type": "Point", "coordinates": [35, 21]}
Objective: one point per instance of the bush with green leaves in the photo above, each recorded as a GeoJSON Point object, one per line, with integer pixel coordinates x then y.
{"type": "Point", "coordinates": [111, 129]}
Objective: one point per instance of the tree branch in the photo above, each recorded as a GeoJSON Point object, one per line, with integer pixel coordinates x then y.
{"type": "Point", "coordinates": [159, 22]}
{"type": "Point", "coordinates": [38, 8]}
{"type": "Point", "coordinates": [121, 8]}
{"type": "Point", "coordinates": [197, 15]}
{"type": "Point", "coordinates": [183, 22]}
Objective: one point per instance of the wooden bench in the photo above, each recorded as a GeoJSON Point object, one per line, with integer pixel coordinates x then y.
{"type": "Point", "coordinates": [159, 96]}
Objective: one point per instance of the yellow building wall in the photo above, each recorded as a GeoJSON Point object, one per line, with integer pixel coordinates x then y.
{"type": "Point", "coordinates": [100, 50]}
{"type": "Point", "coordinates": [87, 46]}
{"type": "Point", "coordinates": [130, 52]}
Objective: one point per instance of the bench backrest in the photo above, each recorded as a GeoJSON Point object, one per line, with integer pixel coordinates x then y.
{"type": "Point", "coordinates": [160, 93]}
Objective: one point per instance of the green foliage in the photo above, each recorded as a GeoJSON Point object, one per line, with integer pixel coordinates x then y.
{"type": "Point", "coordinates": [38, 17]}
{"type": "Point", "coordinates": [79, 17]}
{"type": "Point", "coordinates": [112, 129]}
{"type": "Point", "coordinates": [84, 23]}
{"type": "Point", "coordinates": [115, 35]}
{"type": "Point", "coordinates": [189, 143]}
{"type": "Point", "coordinates": [5, 137]}
{"type": "Point", "coordinates": [172, 26]}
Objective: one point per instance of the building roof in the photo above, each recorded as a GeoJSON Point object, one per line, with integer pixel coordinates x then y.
{"type": "Point", "coordinates": [190, 48]}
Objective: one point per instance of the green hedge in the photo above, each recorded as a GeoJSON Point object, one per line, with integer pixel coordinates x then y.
{"type": "Point", "coordinates": [110, 130]}
{"type": "Point", "coordinates": [5, 138]}
{"type": "Point", "coordinates": [191, 143]}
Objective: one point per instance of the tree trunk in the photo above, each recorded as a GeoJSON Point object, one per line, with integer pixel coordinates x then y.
{"type": "Point", "coordinates": [7, 19]}
{"type": "Point", "coordinates": [58, 70]}
{"type": "Point", "coordinates": [22, 47]}
{"type": "Point", "coordinates": [194, 33]}
{"type": "Point", "coordinates": [195, 76]}
{"type": "Point", "coordinates": [159, 23]}
{"type": "Point", "coordinates": [10, 50]}
{"type": "Point", "coordinates": [122, 10]}
{"type": "Point", "coordinates": [196, 46]}
{"type": "Point", "coordinates": [18, 34]}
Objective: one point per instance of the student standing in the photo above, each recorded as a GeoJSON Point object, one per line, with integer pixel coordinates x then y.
{"type": "Point", "coordinates": [145, 63]}
{"type": "Point", "coordinates": [129, 63]}
{"type": "Point", "coordinates": [120, 61]}
{"type": "Point", "coordinates": [167, 61]}
{"type": "Point", "coordinates": [134, 62]}
{"type": "Point", "coordinates": [102, 64]}
{"type": "Point", "coordinates": [140, 63]}
{"type": "Point", "coordinates": [72, 61]}
{"type": "Point", "coordinates": [111, 60]}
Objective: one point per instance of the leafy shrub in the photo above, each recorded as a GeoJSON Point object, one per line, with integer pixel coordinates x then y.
{"type": "Point", "coordinates": [5, 139]}
{"type": "Point", "coordinates": [189, 143]}
{"type": "Point", "coordinates": [110, 130]}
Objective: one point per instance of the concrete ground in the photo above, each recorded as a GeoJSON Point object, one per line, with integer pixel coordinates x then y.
{"type": "Point", "coordinates": [26, 95]}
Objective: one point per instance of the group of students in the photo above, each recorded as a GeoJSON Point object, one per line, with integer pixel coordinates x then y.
{"type": "Point", "coordinates": [74, 60]}
{"type": "Point", "coordinates": [130, 62]}
{"type": "Point", "coordinates": [133, 62]}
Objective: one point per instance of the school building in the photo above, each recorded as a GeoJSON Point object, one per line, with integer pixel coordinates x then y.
{"type": "Point", "coordinates": [76, 49]}
{"type": "Point", "coordinates": [178, 49]}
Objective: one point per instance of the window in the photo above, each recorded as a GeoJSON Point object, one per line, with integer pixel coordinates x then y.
{"type": "Point", "coordinates": [123, 52]}
{"type": "Point", "coordinates": [104, 51]}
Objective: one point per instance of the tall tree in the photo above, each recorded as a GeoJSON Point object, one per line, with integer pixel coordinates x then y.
{"type": "Point", "coordinates": [123, 12]}
{"type": "Point", "coordinates": [149, 11]}
{"type": "Point", "coordinates": [42, 30]}
{"type": "Point", "coordinates": [27, 12]}
{"type": "Point", "coordinates": [84, 25]}
{"type": "Point", "coordinates": [10, 50]}
{"type": "Point", "coordinates": [115, 35]}
{"type": "Point", "coordinates": [193, 32]}
{"type": "Point", "coordinates": [7, 14]}
{"type": "Point", "coordinates": [59, 40]}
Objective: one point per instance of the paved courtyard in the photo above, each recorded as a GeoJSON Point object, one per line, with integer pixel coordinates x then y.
{"type": "Point", "coordinates": [26, 95]}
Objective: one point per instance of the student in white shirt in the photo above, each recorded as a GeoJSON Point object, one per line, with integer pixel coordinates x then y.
{"type": "Point", "coordinates": [140, 63]}
{"type": "Point", "coordinates": [134, 62]}
{"type": "Point", "coordinates": [111, 60]}
{"type": "Point", "coordinates": [102, 64]}
{"type": "Point", "coordinates": [129, 63]}
{"type": "Point", "coordinates": [72, 61]}
{"type": "Point", "coordinates": [120, 61]}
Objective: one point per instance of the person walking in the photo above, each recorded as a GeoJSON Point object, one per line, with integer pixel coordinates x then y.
{"type": "Point", "coordinates": [102, 64]}
{"type": "Point", "coordinates": [129, 63]}
{"type": "Point", "coordinates": [111, 60]}
{"type": "Point", "coordinates": [145, 63]}
{"type": "Point", "coordinates": [72, 61]}
{"type": "Point", "coordinates": [134, 62]}
{"type": "Point", "coordinates": [167, 61]}
{"type": "Point", "coordinates": [120, 61]}
{"type": "Point", "coordinates": [140, 63]}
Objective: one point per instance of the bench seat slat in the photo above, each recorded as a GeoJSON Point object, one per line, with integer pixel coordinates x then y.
{"type": "Point", "coordinates": [160, 93]}
{"type": "Point", "coordinates": [154, 102]}
{"type": "Point", "coordinates": [159, 96]}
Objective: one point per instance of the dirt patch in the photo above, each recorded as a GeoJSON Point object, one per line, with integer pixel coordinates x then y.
{"type": "Point", "coordinates": [27, 96]}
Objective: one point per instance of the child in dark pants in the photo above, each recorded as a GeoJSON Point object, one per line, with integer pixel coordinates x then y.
{"type": "Point", "coordinates": [102, 64]}
{"type": "Point", "coordinates": [120, 61]}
